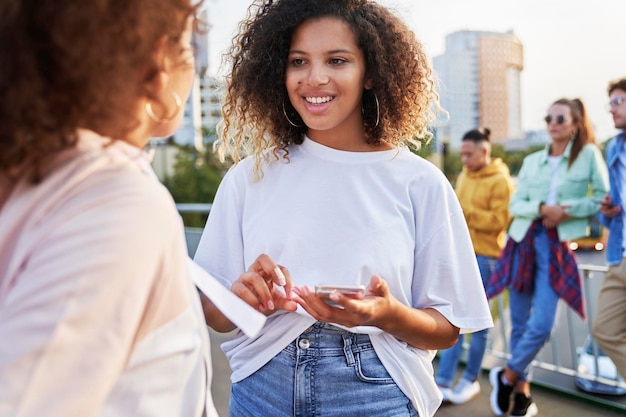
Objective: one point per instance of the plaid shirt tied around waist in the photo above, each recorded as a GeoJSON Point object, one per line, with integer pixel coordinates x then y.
{"type": "Point", "coordinates": [563, 270]}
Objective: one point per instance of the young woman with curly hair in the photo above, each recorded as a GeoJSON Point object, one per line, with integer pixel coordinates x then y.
{"type": "Point", "coordinates": [98, 314]}
{"type": "Point", "coordinates": [324, 97]}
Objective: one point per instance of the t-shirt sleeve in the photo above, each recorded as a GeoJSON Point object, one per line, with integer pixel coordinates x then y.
{"type": "Point", "coordinates": [446, 275]}
{"type": "Point", "coordinates": [220, 250]}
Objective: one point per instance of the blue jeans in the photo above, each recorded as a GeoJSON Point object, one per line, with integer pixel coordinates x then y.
{"type": "Point", "coordinates": [326, 371]}
{"type": "Point", "coordinates": [449, 358]}
{"type": "Point", "coordinates": [532, 314]}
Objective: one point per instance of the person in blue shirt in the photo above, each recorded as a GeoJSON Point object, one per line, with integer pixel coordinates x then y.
{"type": "Point", "coordinates": [609, 324]}
{"type": "Point", "coordinates": [557, 191]}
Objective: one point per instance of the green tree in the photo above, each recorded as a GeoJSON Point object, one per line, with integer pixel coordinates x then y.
{"type": "Point", "coordinates": [452, 164]}
{"type": "Point", "coordinates": [195, 180]}
{"type": "Point", "coordinates": [514, 159]}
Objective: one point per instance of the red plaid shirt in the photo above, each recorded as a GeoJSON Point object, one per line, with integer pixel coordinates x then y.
{"type": "Point", "coordinates": [563, 270]}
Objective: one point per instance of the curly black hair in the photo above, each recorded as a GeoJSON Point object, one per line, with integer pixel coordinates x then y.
{"type": "Point", "coordinates": [256, 97]}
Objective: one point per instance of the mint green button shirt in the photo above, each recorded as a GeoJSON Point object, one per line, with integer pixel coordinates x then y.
{"type": "Point", "coordinates": [577, 187]}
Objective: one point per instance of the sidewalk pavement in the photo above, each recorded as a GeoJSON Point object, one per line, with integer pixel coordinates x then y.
{"type": "Point", "coordinates": [550, 404]}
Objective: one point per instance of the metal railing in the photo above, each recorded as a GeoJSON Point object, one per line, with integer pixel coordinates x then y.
{"type": "Point", "coordinates": [193, 234]}
{"type": "Point", "coordinates": [558, 365]}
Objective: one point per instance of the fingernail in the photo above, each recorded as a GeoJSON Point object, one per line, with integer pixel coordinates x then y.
{"type": "Point", "coordinates": [281, 277]}
{"type": "Point", "coordinates": [270, 305]}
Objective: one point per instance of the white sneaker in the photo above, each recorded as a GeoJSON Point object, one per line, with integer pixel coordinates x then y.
{"type": "Point", "coordinates": [446, 392]}
{"type": "Point", "coordinates": [464, 391]}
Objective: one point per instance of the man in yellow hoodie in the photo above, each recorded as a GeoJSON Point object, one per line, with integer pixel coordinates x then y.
{"type": "Point", "coordinates": [484, 188]}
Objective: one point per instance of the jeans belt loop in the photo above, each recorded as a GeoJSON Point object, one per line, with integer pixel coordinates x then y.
{"type": "Point", "coordinates": [347, 350]}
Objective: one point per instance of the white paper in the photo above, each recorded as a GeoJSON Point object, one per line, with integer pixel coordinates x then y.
{"type": "Point", "coordinates": [247, 319]}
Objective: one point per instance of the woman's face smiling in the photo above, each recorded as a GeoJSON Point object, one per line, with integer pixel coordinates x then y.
{"type": "Point", "coordinates": [325, 78]}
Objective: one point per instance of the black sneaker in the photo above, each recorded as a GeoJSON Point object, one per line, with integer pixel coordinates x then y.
{"type": "Point", "coordinates": [500, 398]}
{"type": "Point", "coordinates": [523, 406]}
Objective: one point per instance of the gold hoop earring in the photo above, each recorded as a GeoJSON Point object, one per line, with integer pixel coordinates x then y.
{"type": "Point", "coordinates": [165, 119]}
{"type": "Point", "coordinates": [288, 119]}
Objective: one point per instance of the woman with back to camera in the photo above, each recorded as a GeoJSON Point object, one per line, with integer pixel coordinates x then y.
{"type": "Point", "coordinates": [550, 206]}
{"type": "Point", "coordinates": [327, 94]}
{"type": "Point", "coordinates": [98, 316]}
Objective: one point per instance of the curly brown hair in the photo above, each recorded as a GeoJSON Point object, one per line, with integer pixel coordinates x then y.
{"type": "Point", "coordinates": [395, 61]}
{"type": "Point", "coordinates": [70, 64]}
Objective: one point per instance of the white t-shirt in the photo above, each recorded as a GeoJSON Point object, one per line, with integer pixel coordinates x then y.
{"type": "Point", "coordinates": [554, 162]}
{"type": "Point", "coordinates": [98, 315]}
{"type": "Point", "coordinates": [338, 217]}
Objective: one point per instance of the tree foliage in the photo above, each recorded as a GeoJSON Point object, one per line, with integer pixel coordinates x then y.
{"type": "Point", "coordinates": [452, 164]}
{"type": "Point", "coordinates": [197, 174]}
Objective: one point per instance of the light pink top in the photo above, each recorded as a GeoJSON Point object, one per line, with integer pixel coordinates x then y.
{"type": "Point", "coordinates": [98, 316]}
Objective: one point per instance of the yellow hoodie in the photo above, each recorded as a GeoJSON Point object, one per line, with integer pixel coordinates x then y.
{"type": "Point", "coordinates": [484, 196]}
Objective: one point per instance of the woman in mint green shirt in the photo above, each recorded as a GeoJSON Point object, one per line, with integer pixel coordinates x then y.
{"type": "Point", "coordinates": [554, 198]}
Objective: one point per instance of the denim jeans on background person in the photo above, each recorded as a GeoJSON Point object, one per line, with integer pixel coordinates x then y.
{"type": "Point", "coordinates": [532, 314]}
{"type": "Point", "coordinates": [326, 371]}
{"type": "Point", "coordinates": [449, 358]}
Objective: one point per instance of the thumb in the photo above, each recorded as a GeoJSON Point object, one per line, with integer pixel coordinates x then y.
{"type": "Point", "coordinates": [378, 286]}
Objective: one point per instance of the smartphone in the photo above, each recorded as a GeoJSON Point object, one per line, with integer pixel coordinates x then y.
{"type": "Point", "coordinates": [353, 291]}
{"type": "Point", "coordinates": [602, 202]}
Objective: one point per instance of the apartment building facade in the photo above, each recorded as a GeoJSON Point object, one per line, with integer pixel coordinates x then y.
{"type": "Point", "coordinates": [478, 79]}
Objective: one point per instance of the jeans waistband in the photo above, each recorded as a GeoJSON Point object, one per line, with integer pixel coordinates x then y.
{"type": "Point", "coordinates": [324, 339]}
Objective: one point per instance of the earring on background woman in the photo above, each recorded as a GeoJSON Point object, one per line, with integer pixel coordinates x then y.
{"type": "Point", "coordinates": [165, 119]}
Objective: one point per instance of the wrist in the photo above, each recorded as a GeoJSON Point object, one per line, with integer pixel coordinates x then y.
{"type": "Point", "coordinates": [389, 320]}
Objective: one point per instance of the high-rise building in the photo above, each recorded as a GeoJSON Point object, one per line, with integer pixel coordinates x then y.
{"type": "Point", "coordinates": [202, 111]}
{"type": "Point", "coordinates": [479, 85]}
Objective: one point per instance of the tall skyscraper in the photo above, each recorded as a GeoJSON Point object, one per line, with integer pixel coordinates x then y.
{"type": "Point", "coordinates": [479, 84]}
{"type": "Point", "coordinates": [203, 110]}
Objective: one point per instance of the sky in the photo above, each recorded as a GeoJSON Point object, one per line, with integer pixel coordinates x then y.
{"type": "Point", "coordinates": [572, 48]}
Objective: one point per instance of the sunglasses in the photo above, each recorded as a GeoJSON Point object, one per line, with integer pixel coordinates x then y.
{"type": "Point", "coordinates": [560, 119]}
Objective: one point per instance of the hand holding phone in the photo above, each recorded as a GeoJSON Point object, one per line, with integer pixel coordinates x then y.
{"type": "Point", "coordinates": [325, 290]}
